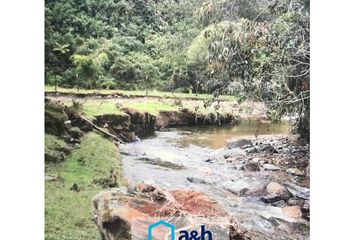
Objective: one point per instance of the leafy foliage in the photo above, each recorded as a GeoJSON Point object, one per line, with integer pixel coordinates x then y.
{"type": "Point", "coordinates": [251, 48]}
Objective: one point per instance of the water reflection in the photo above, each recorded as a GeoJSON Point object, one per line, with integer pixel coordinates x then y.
{"type": "Point", "coordinates": [216, 136]}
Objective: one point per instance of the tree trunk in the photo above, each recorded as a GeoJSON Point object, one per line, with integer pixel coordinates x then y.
{"type": "Point", "coordinates": [101, 130]}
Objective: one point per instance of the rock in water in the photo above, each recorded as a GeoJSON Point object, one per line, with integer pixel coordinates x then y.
{"type": "Point", "coordinates": [295, 171]}
{"type": "Point", "coordinates": [251, 150]}
{"type": "Point", "coordinates": [270, 167]}
{"type": "Point", "coordinates": [196, 180]}
{"type": "Point", "coordinates": [298, 191]}
{"type": "Point", "coordinates": [271, 198]}
{"type": "Point", "coordinates": [267, 148]}
{"type": "Point", "coordinates": [236, 187]}
{"type": "Point", "coordinates": [275, 193]}
{"type": "Point", "coordinates": [253, 164]}
{"type": "Point", "coordinates": [238, 143]}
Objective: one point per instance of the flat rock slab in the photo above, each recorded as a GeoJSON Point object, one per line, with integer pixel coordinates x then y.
{"type": "Point", "coordinates": [295, 190]}
{"type": "Point", "coordinates": [270, 167]}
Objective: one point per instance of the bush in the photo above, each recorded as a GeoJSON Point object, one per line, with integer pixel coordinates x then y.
{"type": "Point", "coordinates": [55, 117]}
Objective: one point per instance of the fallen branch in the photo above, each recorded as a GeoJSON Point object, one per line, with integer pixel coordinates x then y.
{"type": "Point", "coordinates": [101, 130]}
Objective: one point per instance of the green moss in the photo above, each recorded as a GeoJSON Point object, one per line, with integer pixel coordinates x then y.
{"type": "Point", "coordinates": [67, 213]}
{"type": "Point", "coordinates": [55, 149]}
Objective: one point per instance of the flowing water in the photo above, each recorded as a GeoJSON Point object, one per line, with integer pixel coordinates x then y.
{"type": "Point", "coordinates": [180, 159]}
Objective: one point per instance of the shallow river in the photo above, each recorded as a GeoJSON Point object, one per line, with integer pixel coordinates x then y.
{"type": "Point", "coordinates": [180, 158]}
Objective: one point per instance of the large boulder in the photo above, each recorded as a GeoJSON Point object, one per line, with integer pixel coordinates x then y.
{"type": "Point", "coordinates": [117, 212]}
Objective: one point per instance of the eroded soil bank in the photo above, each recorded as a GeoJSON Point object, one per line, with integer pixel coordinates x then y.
{"type": "Point", "coordinates": [136, 118]}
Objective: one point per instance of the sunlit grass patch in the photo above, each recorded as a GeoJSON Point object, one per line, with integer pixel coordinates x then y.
{"type": "Point", "coordinates": [151, 107]}
{"type": "Point", "coordinates": [92, 108]}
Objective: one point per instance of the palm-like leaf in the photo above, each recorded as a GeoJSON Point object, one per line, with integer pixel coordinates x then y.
{"type": "Point", "coordinates": [62, 48]}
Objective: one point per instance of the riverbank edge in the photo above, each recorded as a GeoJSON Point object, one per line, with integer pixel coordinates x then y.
{"type": "Point", "coordinates": [108, 94]}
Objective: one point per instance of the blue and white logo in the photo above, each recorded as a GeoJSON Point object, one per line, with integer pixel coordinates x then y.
{"type": "Point", "coordinates": [204, 234]}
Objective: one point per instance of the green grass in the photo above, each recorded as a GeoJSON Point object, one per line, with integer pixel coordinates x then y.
{"type": "Point", "coordinates": [151, 107]}
{"type": "Point", "coordinates": [67, 213]}
{"type": "Point", "coordinates": [92, 108]}
{"type": "Point", "coordinates": [152, 93]}
{"type": "Point", "coordinates": [53, 142]}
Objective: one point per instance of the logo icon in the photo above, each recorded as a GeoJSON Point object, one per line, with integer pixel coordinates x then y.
{"type": "Point", "coordinates": [159, 223]}
{"type": "Point", "coordinates": [204, 234]}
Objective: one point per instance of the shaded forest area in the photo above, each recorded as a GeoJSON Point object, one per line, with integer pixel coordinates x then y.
{"type": "Point", "coordinates": [252, 49]}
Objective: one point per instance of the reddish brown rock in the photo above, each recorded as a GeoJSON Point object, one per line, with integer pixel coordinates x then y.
{"type": "Point", "coordinates": [197, 203]}
{"type": "Point", "coordinates": [292, 211]}
{"type": "Point", "coordinates": [116, 211]}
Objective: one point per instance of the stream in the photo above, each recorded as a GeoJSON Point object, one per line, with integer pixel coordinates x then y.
{"type": "Point", "coordinates": [184, 158]}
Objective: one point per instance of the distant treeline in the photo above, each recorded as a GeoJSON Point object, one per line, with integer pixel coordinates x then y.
{"type": "Point", "coordinates": [252, 48]}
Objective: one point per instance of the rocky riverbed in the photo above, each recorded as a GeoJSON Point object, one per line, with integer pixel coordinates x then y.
{"type": "Point", "coordinates": [261, 182]}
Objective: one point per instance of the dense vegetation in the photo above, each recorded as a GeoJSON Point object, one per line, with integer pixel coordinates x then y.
{"type": "Point", "coordinates": [256, 49]}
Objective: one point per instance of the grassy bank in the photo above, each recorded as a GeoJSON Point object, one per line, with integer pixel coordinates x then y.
{"type": "Point", "coordinates": [95, 107]}
{"type": "Point", "coordinates": [151, 107]}
{"type": "Point", "coordinates": [93, 166]}
{"type": "Point", "coordinates": [126, 93]}
{"type": "Point", "coordinates": [92, 108]}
